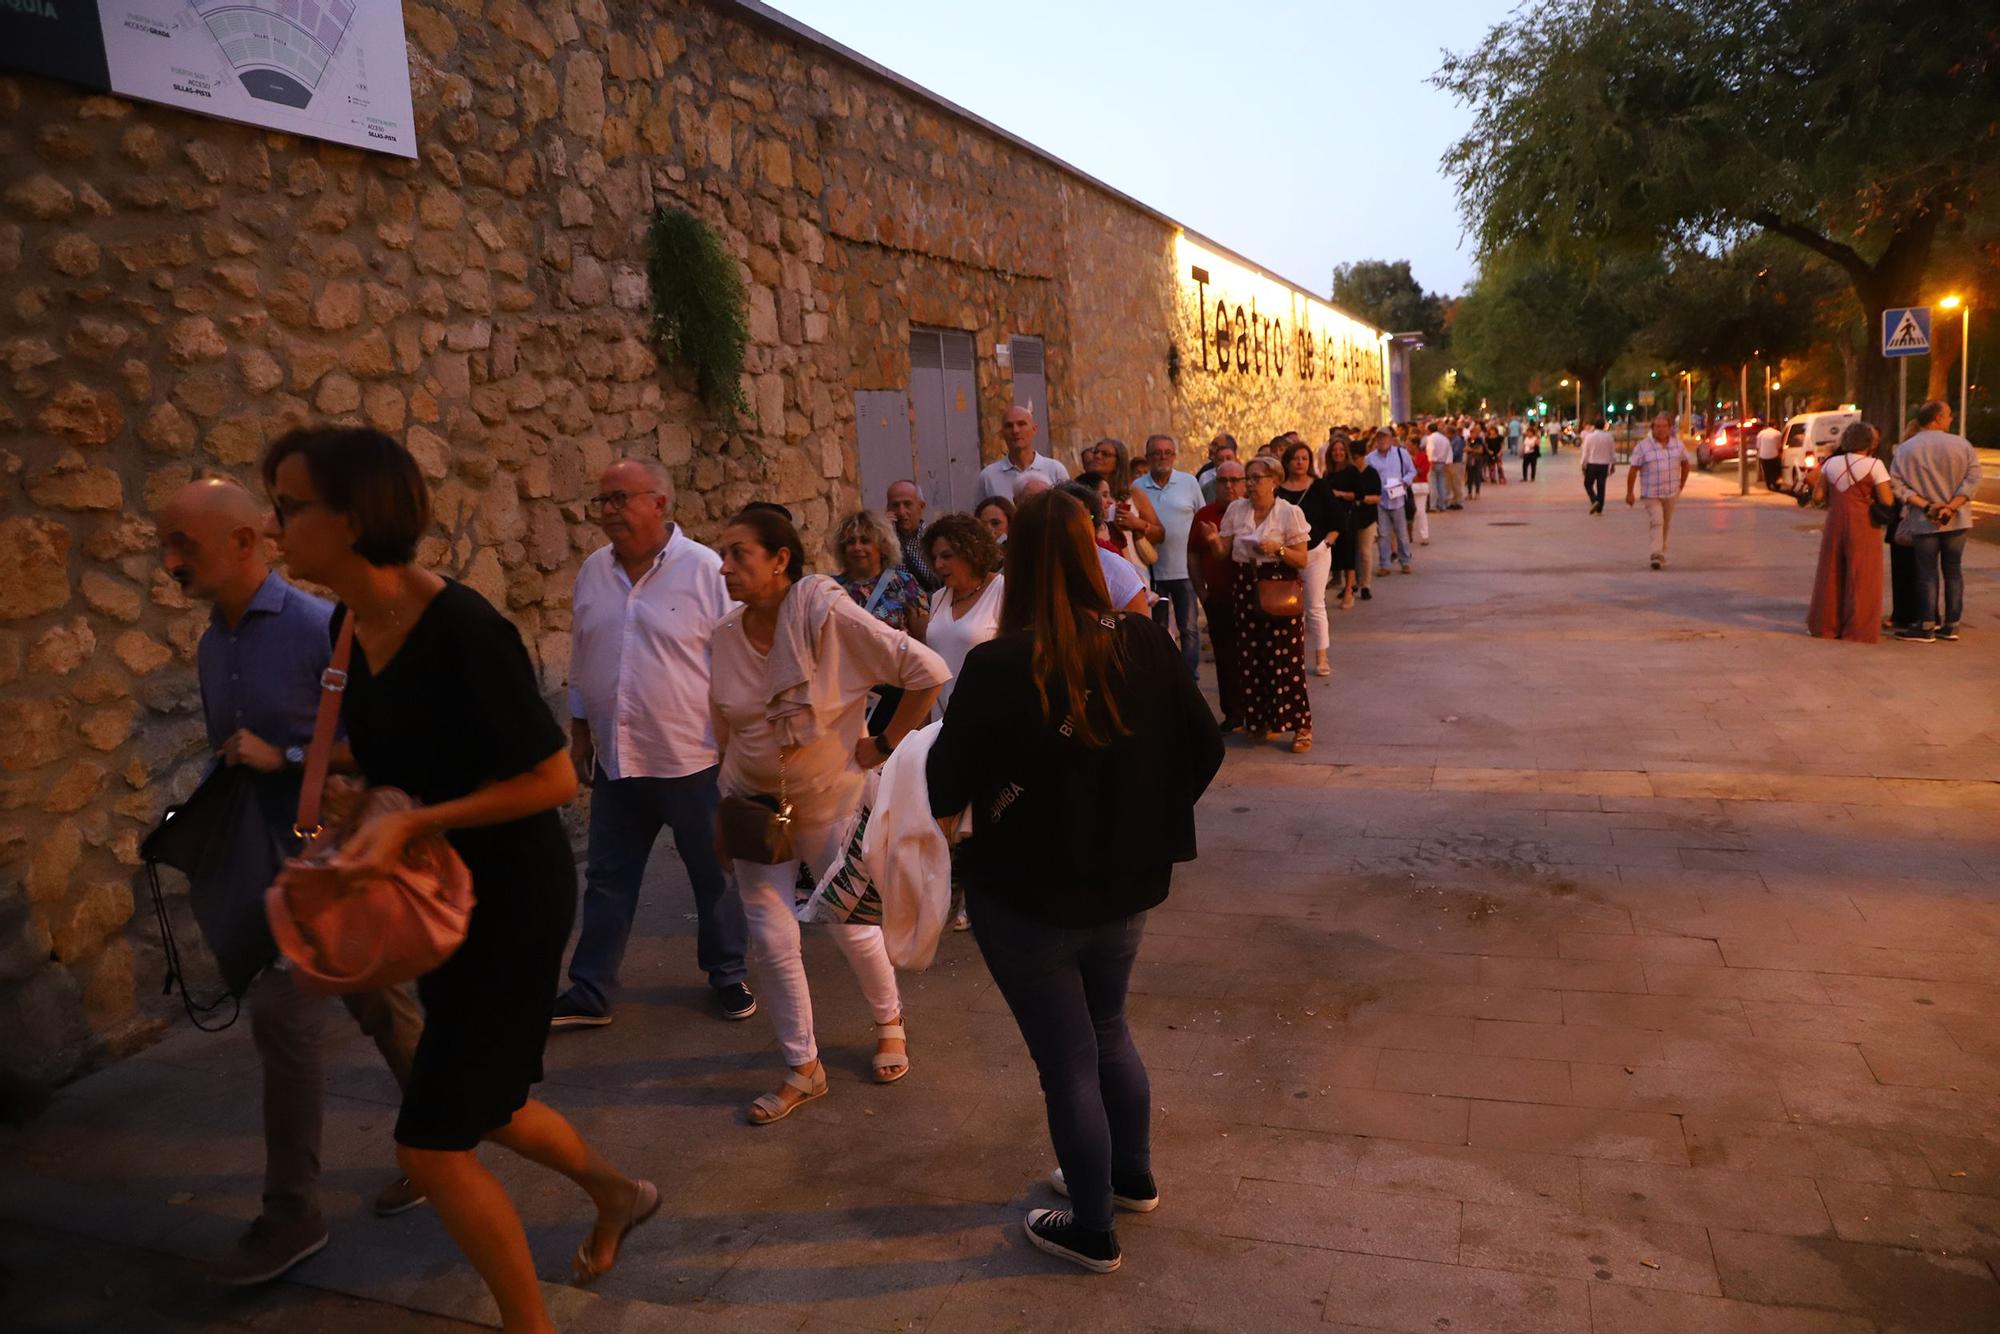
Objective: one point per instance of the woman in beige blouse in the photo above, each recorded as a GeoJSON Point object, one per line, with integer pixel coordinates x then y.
{"type": "Point", "coordinates": [792, 672]}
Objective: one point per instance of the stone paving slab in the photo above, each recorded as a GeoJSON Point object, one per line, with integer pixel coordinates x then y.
{"type": "Point", "coordinates": [1616, 972]}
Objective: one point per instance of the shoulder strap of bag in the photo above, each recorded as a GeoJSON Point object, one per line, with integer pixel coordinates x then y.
{"type": "Point", "coordinates": [881, 587]}
{"type": "Point", "coordinates": [332, 684]}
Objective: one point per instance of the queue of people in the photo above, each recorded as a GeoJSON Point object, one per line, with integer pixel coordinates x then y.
{"type": "Point", "coordinates": [738, 698]}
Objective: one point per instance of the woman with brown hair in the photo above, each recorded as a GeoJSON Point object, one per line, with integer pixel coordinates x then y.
{"type": "Point", "coordinates": [1265, 536]}
{"type": "Point", "coordinates": [1081, 744]}
{"type": "Point", "coordinates": [459, 724]}
{"type": "Point", "coordinates": [793, 670]}
{"type": "Point", "coordinates": [1847, 588]}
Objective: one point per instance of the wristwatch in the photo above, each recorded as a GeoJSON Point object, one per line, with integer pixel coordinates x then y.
{"type": "Point", "coordinates": [883, 745]}
{"type": "Point", "coordinates": [295, 756]}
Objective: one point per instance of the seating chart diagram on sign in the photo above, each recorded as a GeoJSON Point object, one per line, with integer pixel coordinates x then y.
{"type": "Point", "coordinates": [329, 69]}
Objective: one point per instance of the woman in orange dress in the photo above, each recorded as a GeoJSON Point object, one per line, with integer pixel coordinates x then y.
{"type": "Point", "coordinates": [1847, 590]}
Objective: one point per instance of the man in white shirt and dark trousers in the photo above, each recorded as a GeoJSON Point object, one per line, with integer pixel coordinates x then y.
{"type": "Point", "coordinates": [646, 607]}
{"type": "Point", "coordinates": [1600, 455]}
{"type": "Point", "coordinates": [1769, 451]}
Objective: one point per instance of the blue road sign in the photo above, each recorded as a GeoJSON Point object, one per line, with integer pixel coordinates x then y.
{"type": "Point", "coordinates": [1906, 331]}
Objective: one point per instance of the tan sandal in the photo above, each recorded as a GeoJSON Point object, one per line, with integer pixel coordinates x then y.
{"type": "Point", "coordinates": [888, 1061]}
{"type": "Point", "coordinates": [773, 1107]}
{"type": "Point", "coordinates": [1302, 742]}
{"type": "Point", "coordinates": [644, 1205]}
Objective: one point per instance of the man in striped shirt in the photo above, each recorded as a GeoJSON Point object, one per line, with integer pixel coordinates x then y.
{"type": "Point", "coordinates": [1657, 471]}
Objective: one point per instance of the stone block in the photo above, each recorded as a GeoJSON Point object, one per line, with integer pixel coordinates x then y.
{"type": "Point", "coordinates": [141, 653]}
{"type": "Point", "coordinates": [82, 415]}
{"type": "Point", "coordinates": [107, 728]}
{"type": "Point", "coordinates": [80, 925]}
{"type": "Point", "coordinates": [35, 553]}
{"type": "Point", "coordinates": [53, 862]}
{"type": "Point", "coordinates": [195, 339]}
{"type": "Point", "coordinates": [113, 597]}
{"type": "Point", "coordinates": [62, 648]}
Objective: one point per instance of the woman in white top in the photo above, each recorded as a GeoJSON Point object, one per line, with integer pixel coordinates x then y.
{"type": "Point", "coordinates": [1265, 536]}
{"type": "Point", "coordinates": [1847, 589]}
{"type": "Point", "coordinates": [793, 667]}
{"type": "Point", "coordinates": [965, 609]}
{"type": "Point", "coordinates": [965, 612]}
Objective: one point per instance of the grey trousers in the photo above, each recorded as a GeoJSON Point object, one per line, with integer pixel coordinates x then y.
{"type": "Point", "coordinates": [285, 1024]}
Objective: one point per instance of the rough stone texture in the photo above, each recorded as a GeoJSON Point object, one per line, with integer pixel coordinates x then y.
{"type": "Point", "coordinates": [186, 289]}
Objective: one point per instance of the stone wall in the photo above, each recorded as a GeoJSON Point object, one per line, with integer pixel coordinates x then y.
{"type": "Point", "coordinates": [181, 290]}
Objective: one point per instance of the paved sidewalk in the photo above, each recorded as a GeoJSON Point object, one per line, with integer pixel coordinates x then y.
{"type": "Point", "coordinates": [1622, 959]}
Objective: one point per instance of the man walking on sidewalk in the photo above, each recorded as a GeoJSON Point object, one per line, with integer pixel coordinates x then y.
{"type": "Point", "coordinates": [259, 665]}
{"type": "Point", "coordinates": [1936, 474]}
{"type": "Point", "coordinates": [1599, 453]}
{"type": "Point", "coordinates": [1658, 470]}
{"type": "Point", "coordinates": [645, 609]}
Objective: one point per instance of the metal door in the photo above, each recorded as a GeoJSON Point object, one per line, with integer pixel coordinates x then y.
{"type": "Point", "coordinates": [884, 450]}
{"type": "Point", "coordinates": [1031, 385]}
{"type": "Point", "coordinates": [946, 397]}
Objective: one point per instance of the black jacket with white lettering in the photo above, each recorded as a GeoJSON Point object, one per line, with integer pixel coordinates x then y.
{"type": "Point", "coordinates": [1067, 834]}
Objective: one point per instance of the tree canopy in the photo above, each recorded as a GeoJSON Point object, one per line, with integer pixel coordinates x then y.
{"type": "Point", "coordinates": [1387, 295]}
{"type": "Point", "coordinates": [1857, 129]}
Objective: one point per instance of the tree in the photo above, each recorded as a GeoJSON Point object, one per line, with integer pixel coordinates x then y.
{"type": "Point", "coordinates": [1715, 312]}
{"type": "Point", "coordinates": [1860, 130]}
{"type": "Point", "coordinates": [1532, 312]}
{"type": "Point", "coordinates": [1387, 295]}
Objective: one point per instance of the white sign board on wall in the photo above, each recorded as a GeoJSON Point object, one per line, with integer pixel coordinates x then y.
{"type": "Point", "coordinates": [329, 69]}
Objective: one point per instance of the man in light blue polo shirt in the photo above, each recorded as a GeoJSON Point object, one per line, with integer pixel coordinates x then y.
{"type": "Point", "coordinates": [1175, 496]}
{"type": "Point", "coordinates": [998, 478]}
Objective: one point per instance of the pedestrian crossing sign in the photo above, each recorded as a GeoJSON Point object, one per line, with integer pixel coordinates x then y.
{"type": "Point", "coordinates": [1906, 331]}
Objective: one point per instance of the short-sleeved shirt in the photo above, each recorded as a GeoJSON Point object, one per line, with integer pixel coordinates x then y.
{"type": "Point", "coordinates": [639, 661]}
{"type": "Point", "coordinates": [263, 676]}
{"type": "Point", "coordinates": [1599, 448]}
{"type": "Point", "coordinates": [1174, 504]}
{"type": "Point", "coordinates": [898, 592]}
{"type": "Point", "coordinates": [1286, 522]}
{"type": "Point", "coordinates": [952, 637]}
{"type": "Point", "coordinates": [1844, 470]}
{"type": "Point", "coordinates": [855, 653]}
{"type": "Point", "coordinates": [999, 477]}
{"type": "Point", "coordinates": [1659, 467]}
{"type": "Point", "coordinates": [1121, 581]}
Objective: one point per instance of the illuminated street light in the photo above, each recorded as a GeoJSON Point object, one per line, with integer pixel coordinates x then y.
{"type": "Point", "coordinates": [1964, 307]}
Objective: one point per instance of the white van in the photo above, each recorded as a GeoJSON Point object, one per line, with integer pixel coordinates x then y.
{"type": "Point", "coordinates": [1810, 437]}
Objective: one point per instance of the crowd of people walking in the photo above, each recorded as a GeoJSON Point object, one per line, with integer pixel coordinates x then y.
{"type": "Point", "coordinates": [1040, 652]}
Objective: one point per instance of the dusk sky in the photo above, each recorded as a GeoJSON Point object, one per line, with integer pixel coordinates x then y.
{"type": "Point", "coordinates": [1302, 133]}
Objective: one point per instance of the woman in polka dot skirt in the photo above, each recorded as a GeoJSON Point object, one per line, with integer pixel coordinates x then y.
{"type": "Point", "coordinates": [1264, 536]}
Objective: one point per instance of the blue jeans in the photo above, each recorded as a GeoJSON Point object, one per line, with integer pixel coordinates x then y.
{"type": "Point", "coordinates": [1392, 532]}
{"type": "Point", "coordinates": [1178, 595]}
{"type": "Point", "coordinates": [626, 816]}
{"type": "Point", "coordinates": [1939, 557]}
{"type": "Point", "coordinates": [1066, 987]}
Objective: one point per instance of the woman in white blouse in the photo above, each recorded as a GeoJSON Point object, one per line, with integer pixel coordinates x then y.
{"type": "Point", "coordinates": [1847, 589]}
{"type": "Point", "coordinates": [793, 668]}
{"type": "Point", "coordinates": [965, 609]}
{"type": "Point", "coordinates": [1264, 536]}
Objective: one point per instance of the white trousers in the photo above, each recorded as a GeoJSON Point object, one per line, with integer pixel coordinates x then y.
{"type": "Point", "coordinates": [1319, 566]}
{"type": "Point", "coordinates": [775, 956]}
{"type": "Point", "coordinates": [1421, 529]}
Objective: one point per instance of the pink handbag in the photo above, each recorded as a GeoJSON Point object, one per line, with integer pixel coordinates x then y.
{"type": "Point", "coordinates": [340, 936]}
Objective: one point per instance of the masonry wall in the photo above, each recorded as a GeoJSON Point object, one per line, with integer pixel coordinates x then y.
{"type": "Point", "coordinates": [179, 291]}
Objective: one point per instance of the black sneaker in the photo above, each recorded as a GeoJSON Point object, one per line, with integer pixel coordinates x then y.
{"type": "Point", "coordinates": [1948, 633]}
{"type": "Point", "coordinates": [1917, 634]}
{"type": "Point", "coordinates": [571, 1014]}
{"type": "Point", "coordinates": [1367, 595]}
{"type": "Point", "coordinates": [1055, 1231]}
{"type": "Point", "coordinates": [270, 1248]}
{"type": "Point", "coordinates": [736, 1001]}
{"type": "Point", "coordinates": [1139, 1195]}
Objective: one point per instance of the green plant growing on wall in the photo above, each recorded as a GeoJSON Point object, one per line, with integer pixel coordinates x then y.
{"type": "Point", "coordinates": [698, 306]}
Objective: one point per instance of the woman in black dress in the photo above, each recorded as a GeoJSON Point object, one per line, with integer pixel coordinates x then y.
{"type": "Point", "coordinates": [1344, 484]}
{"type": "Point", "coordinates": [1310, 494]}
{"type": "Point", "coordinates": [442, 702]}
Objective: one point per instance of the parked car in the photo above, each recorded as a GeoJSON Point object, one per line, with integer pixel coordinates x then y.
{"type": "Point", "coordinates": [1723, 445]}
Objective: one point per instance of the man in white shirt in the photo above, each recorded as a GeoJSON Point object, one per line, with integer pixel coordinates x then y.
{"type": "Point", "coordinates": [646, 606]}
{"type": "Point", "coordinates": [1221, 449]}
{"type": "Point", "coordinates": [1600, 455]}
{"type": "Point", "coordinates": [998, 478]}
{"type": "Point", "coordinates": [1437, 448]}
{"type": "Point", "coordinates": [1176, 496]}
{"type": "Point", "coordinates": [1768, 450]}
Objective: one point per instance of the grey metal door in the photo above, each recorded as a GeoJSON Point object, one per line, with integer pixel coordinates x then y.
{"type": "Point", "coordinates": [1031, 385]}
{"type": "Point", "coordinates": [945, 394]}
{"type": "Point", "coordinates": [884, 449]}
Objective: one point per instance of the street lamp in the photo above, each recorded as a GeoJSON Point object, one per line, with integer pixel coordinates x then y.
{"type": "Point", "coordinates": [1959, 303]}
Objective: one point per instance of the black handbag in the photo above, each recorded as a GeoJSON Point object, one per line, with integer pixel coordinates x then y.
{"type": "Point", "coordinates": [758, 828]}
{"type": "Point", "coordinates": [225, 839]}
